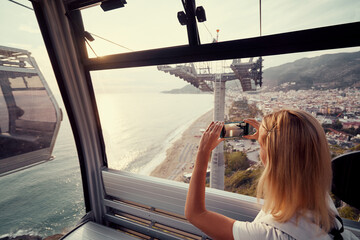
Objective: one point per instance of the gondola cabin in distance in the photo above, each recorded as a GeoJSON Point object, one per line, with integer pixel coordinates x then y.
{"type": "Point", "coordinates": [30, 116]}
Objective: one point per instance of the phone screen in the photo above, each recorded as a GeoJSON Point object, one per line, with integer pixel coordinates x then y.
{"type": "Point", "coordinates": [234, 130]}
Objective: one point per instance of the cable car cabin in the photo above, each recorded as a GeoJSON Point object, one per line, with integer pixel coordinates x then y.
{"type": "Point", "coordinates": [30, 116]}
{"type": "Point", "coordinates": [119, 202]}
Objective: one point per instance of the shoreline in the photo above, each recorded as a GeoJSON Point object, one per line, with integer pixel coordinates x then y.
{"type": "Point", "coordinates": [180, 157]}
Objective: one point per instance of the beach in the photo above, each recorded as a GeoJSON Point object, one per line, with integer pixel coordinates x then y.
{"type": "Point", "coordinates": [180, 157]}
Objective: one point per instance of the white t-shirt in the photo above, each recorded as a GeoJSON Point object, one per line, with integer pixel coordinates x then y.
{"type": "Point", "coordinates": [265, 227]}
{"type": "Point", "coordinates": [256, 230]}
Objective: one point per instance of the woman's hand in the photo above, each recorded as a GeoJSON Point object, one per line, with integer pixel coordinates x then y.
{"type": "Point", "coordinates": [256, 125]}
{"type": "Point", "coordinates": [211, 137]}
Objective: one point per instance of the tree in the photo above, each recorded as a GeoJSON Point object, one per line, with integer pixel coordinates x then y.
{"type": "Point", "coordinates": [236, 161]}
{"type": "Point", "coordinates": [337, 125]}
{"type": "Point", "coordinates": [243, 182]}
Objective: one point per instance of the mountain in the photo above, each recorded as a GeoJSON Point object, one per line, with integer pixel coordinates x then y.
{"type": "Point", "coordinates": [340, 70]}
{"type": "Point", "coordinates": [328, 71]}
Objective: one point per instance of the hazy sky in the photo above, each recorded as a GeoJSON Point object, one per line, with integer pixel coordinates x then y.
{"type": "Point", "coordinates": [153, 24]}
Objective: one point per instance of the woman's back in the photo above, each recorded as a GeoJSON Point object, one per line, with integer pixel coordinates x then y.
{"type": "Point", "coordinates": [266, 227]}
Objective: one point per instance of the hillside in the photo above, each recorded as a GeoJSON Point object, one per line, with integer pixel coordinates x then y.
{"type": "Point", "coordinates": [328, 71]}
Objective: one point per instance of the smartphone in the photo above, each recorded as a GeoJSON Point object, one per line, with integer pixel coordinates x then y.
{"type": "Point", "coordinates": [234, 130]}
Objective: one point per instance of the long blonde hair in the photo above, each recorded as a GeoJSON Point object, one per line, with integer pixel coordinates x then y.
{"type": "Point", "coordinates": [297, 176]}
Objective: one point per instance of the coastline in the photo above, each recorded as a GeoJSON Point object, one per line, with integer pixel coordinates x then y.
{"type": "Point", "coordinates": [180, 157]}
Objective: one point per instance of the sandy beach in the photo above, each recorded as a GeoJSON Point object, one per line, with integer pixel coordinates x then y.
{"type": "Point", "coordinates": [180, 157]}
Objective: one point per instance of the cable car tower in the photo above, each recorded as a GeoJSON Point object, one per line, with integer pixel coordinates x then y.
{"type": "Point", "coordinates": [248, 73]}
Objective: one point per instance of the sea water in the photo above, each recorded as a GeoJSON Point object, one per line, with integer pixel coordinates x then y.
{"type": "Point", "coordinates": [138, 129]}
{"type": "Point", "coordinates": [138, 142]}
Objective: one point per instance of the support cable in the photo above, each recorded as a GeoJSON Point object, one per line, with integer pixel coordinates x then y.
{"type": "Point", "coordinates": [90, 35]}
{"type": "Point", "coordinates": [20, 4]}
{"type": "Point", "coordinates": [112, 42]}
{"type": "Point", "coordinates": [87, 42]}
{"type": "Point", "coordinates": [91, 47]}
{"type": "Point", "coordinates": [212, 37]}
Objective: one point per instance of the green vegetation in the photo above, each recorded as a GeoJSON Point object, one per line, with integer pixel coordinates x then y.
{"type": "Point", "coordinates": [356, 148]}
{"type": "Point", "coordinates": [349, 213]}
{"type": "Point", "coordinates": [236, 161]}
{"type": "Point", "coordinates": [239, 178]}
{"type": "Point", "coordinates": [336, 150]}
{"type": "Point", "coordinates": [339, 127]}
{"type": "Point", "coordinates": [243, 181]}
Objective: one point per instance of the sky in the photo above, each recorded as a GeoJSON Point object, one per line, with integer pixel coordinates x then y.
{"type": "Point", "coordinates": [147, 24]}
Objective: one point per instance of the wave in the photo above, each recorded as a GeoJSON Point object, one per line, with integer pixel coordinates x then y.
{"type": "Point", "coordinates": [21, 232]}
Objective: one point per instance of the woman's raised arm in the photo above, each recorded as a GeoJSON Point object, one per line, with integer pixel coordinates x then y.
{"type": "Point", "coordinates": [213, 224]}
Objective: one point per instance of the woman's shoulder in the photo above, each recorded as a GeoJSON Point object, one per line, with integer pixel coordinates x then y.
{"type": "Point", "coordinates": [263, 231]}
{"type": "Point", "coordinates": [258, 230]}
{"type": "Point", "coordinates": [266, 227]}
{"type": "Point", "coordinates": [299, 228]}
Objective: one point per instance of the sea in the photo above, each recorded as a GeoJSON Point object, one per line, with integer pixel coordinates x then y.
{"type": "Point", "coordinates": [138, 128]}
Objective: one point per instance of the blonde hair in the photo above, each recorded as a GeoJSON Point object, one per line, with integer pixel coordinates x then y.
{"type": "Point", "coordinates": [297, 175]}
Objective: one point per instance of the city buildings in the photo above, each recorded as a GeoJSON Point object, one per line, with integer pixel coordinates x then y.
{"type": "Point", "coordinates": [328, 106]}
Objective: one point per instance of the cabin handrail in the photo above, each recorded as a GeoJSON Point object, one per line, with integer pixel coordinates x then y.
{"type": "Point", "coordinates": [153, 191]}
{"type": "Point", "coordinates": [161, 201]}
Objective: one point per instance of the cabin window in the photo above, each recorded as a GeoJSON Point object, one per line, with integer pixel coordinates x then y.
{"type": "Point", "coordinates": [152, 119]}
{"type": "Point", "coordinates": [141, 121]}
{"type": "Point", "coordinates": [140, 25]}
{"type": "Point", "coordinates": [148, 25]}
{"type": "Point", "coordinates": [240, 19]}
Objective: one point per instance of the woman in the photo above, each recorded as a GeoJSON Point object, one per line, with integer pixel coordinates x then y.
{"type": "Point", "coordinates": [295, 183]}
